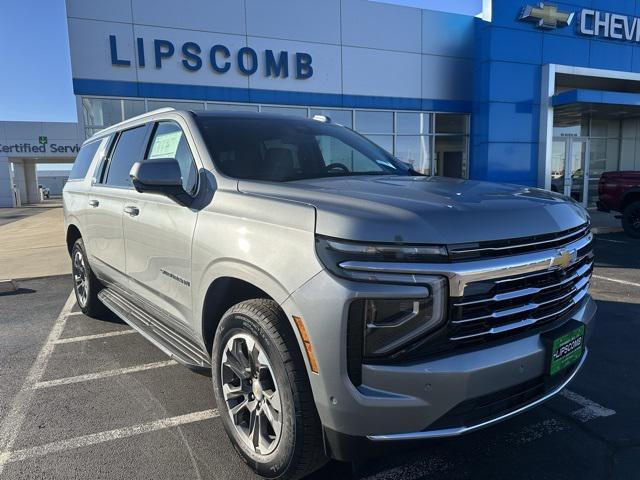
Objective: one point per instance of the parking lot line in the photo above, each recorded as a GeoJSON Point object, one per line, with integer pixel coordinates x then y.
{"type": "Point", "coordinates": [101, 437]}
{"type": "Point", "coordinates": [589, 410]}
{"type": "Point", "coordinates": [14, 418]}
{"type": "Point", "coordinates": [85, 338]}
{"type": "Point", "coordinates": [108, 373]}
{"type": "Point", "coordinates": [615, 280]}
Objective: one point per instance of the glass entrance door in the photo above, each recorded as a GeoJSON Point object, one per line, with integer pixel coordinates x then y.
{"type": "Point", "coordinates": [569, 168]}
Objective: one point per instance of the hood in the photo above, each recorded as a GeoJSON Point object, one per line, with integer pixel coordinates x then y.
{"type": "Point", "coordinates": [425, 209]}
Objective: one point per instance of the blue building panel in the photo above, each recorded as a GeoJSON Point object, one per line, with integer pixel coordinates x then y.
{"type": "Point", "coordinates": [512, 45]}
{"type": "Point", "coordinates": [635, 59]}
{"type": "Point", "coordinates": [565, 51]}
{"type": "Point", "coordinates": [610, 55]}
{"type": "Point", "coordinates": [512, 163]}
{"type": "Point", "coordinates": [513, 122]}
{"type": "Point", "coordinates": [514, 82]}
{"type": "Point", "coordinates": [626, 7]}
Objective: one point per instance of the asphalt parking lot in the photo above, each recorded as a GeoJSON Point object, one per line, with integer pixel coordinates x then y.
{"type": "Point", "coordinates": [87, 398]}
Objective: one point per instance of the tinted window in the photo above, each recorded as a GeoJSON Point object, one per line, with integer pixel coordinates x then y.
{"type": "Point", "coordinates": [83, 160]}
{"type": "Point", "coordinates": [169, 142]}
{"type": "Point", "coordinates": [283, 150]}
{"type": "Point", "coordinates": [128, 151]}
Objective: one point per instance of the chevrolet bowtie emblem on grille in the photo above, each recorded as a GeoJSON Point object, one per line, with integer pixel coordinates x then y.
{"type": "Point", "coordinates": [564, 259]}
{"type": "Point", "coordinates": [546, 16]}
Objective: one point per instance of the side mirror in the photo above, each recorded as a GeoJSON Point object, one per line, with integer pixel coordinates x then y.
{"type": "Point", "coordinates": [160, 175]}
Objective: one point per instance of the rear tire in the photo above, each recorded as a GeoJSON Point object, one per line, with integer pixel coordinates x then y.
{"type": "Point", "coordinates": [85, 284]}
{"type": "Point", "coordinates": [631, 219]}
{"type": "Point", "coordinates": [257, 368]}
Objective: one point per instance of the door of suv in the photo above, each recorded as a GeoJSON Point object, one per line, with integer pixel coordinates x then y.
{"type": "Point", "coordinates": [104, 236]}
{"type": "Point", "coordinates": [158, 231]}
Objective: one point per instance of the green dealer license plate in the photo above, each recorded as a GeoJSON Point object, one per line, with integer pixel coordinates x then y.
{"type": "Point", "coordinates": [566, 349]}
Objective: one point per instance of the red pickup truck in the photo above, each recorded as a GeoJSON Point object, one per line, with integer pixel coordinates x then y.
{"type": "Point", "coordinates": [620, 192]}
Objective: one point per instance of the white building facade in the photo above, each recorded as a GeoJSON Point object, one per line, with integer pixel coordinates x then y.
{"type": "Point", "coordinates": [23, 145]}
{"type": "Point", "coordinates": [368, 65]}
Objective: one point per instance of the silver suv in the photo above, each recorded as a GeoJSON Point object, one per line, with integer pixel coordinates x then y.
{"type": "Point", "coordinates": [342, 301]}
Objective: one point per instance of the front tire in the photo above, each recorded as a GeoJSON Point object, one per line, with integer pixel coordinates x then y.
{"type": "Point", "coordinates": [85, 284]}
{"type": "Point", "coordinates": [263, 394]}
{"type": "Point", "coordinates": [631, 219]}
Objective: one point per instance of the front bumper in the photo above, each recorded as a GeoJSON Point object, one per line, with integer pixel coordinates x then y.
{"type": "Point", "coordinates": [417, 400]}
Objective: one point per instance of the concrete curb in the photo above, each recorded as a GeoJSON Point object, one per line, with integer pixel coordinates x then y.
{"type": "Point", "coordinates": [7, 286]}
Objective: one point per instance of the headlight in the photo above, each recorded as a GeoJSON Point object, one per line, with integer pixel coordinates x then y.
{"type": "Point", "coordinates": [333, 252]}
{"type": "Point", "coordinates": [388, 325]}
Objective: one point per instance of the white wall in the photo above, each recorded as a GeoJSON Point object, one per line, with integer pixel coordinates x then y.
{"type": "Point", "coordinates": [53, 180]}
{"type": "Point", "coordinates": [62, 140]}
{"type": "Point", "coordinates": [19, 180]}
{"type": "Point", "coordinates": [359, 47]}
{"type": "Point", "coordinates": [6, 183]}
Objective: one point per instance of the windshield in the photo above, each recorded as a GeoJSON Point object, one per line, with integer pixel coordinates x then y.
{"type": "Point", "coordinates": [281, 150]}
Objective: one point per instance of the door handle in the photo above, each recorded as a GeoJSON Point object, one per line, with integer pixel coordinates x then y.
{"type": "Point", "coordinates": [94, 203]}
{"type": "Point", "coordinates": [131, 210]}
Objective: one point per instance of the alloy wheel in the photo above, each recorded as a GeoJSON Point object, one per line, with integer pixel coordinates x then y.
{"type": "Point", "coordinates": [80, 278]}
{"type": "Point", "coordinates": [635, 219]}
{"type": "Point", "coordinates": [251, 394]}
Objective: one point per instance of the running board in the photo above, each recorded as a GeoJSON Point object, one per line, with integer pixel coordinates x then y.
{"type": "Point", "coordinates": [174, 344]}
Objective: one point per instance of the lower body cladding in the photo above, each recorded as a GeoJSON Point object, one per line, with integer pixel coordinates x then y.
{"type": "Point", "coordinates": [442, 396]}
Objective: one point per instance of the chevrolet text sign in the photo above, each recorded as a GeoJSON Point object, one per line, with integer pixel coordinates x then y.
{"type": "Point", "coordinates": [609, 25]}
{"type": "Point", "coordinates": [594, 23]}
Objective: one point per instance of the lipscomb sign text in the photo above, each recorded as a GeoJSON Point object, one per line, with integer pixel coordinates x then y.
{"type": "Point", "coordinates": [219, 59]}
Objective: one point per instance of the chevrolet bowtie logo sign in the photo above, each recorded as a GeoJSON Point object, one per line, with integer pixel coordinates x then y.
{"type": "Point", "coordinates": [546, 16]}
{"type": "Point", "coordinates": [563, 259]}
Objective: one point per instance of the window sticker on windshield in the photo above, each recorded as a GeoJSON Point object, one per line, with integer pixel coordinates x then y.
{"type": "Point", "coordinates": [165, 145]}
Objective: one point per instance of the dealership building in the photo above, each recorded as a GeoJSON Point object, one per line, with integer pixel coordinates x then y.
{"type": "Point", "coordinates": [535, 94]}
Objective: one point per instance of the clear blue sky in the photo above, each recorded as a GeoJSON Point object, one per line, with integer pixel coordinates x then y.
{"type": "Point", "coordinates": [35, 83]}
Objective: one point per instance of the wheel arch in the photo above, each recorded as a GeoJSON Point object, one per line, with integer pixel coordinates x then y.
{"type": "Point", "coordinates": [235, 283]}
{"type": "Point", "coordinates": [73, 234]}
{"type": "Point", "coordinates": [630, 196]}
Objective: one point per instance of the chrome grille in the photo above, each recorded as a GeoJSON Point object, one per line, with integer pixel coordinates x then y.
{"type": "Point", "coordinates": [497, 306]}
{"type": "Point", "coordinates": [515, 246]}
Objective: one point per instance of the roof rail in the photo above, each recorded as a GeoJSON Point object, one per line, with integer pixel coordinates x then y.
{"type": "Point", "coordinates": [137, 117]}
{"type": "Point", "coordinates": [152, 112]}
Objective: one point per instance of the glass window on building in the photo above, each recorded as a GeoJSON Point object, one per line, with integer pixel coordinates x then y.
{"type": "Point", "coordinates": [604, 155]}
{"type": "Point", "coordinates": [558, 155]}
{"type": "Point", "coordinates": [133, 108]}
{"type": "Point", "coordinates": [295, 111]}
{"type": "Point", "coordinates": [341, 117]}
{"type": "Point", "coordinates": [231, 107]}
{"type": "Point", "coordinates": [452, 123]}
{"type": "Point", "coordinates": [374, 122]}
{"type": "Point", "coordinates": [605, 128]}
{"type": "Point", "coordinates": [178, 105]}
{"type": "Point", "coordinates": [451, 157]}
{"type": "Point", "coordinates": [412, 123]}
{"type": "Point", "coordinates": [414, 149]}
{"type": "Point", "coordinates": [101, 113]}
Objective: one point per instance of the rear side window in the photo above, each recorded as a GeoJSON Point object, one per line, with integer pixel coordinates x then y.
{"type": "Point", "coordinates": [83, 161]}
{"type": "Point", "coordinates": [128, 150]}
